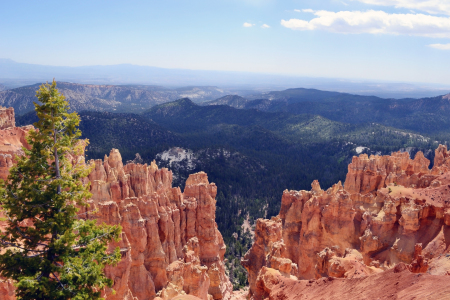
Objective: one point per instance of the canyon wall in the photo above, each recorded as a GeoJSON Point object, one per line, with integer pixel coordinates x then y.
{"type": "Point", "coordinates": [170, 243]}
{"type": "Point", "coordinates": [392, 210]}
{"type": "Point", "coordinates": [12, 139]}
{"type": "Point", "coordinates": [7, 118]}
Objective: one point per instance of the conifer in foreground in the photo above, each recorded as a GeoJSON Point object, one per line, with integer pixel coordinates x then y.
{"type": "Point", "coordinates": [60, 256]}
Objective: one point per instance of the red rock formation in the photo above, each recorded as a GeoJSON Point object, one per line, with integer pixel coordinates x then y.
{"type": "Point", "coordinates": [397, 283]}
{"type": "Point", "coordinates": [174, 245]}
{"type": "Point", "coordinates": [12, 139]}
{"type": "Point", "coordinates": [368, 174]}
{"type": "Point", "coordinates": [7, 291]}
{"type": "Point", "coordinates": [159, 221]}
{"type": "Point", "coordinates": [7, 118]}
{"type": "Point", "coordinates": [170, 243]}
{"type": "Point", "coordinates": [441, 160]}
{"type": "Point", "coordinates": [392, 210]}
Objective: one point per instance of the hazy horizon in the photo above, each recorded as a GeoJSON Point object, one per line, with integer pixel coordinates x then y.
{"type": "Point", "coordinates": [369, 40]}
{"type": "Point", "coordinates": [14, 74]}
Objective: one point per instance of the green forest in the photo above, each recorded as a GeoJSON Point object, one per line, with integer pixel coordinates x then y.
{"type": "Point", "coordinates": [252, 155]}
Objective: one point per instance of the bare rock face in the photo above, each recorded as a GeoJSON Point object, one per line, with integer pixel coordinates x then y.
{"type": "Point", "coordinates": [391, 210]}
{"type": "Point", "coordinates": [441, 160]}
{"type": "Point", "coordinates": [7, 118]}
{"type": "Point", "coordinates": [187, 276]}
{"type": "Point", "coordinates": [396, 283]}
{"type": "Point", "coordinates": [7, 291]}
{"type": "Point", "coordinates": [368, 174]}
{"type": "Point", "coordinates": [12, 139]}
{"type": "Point", "coordinates": [171, 244]}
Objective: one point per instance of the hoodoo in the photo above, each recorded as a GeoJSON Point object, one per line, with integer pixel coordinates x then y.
{"type": "Point", "coordinates": [389, 220]}
{"type": "Point", "coordinates": [12, 139]}
{"type": "Point", "coordinates": [171, 245]}
{"type": "Point", "coordinates": [375, 234]}
{"type": "Point", "coordinates": [170, 242]}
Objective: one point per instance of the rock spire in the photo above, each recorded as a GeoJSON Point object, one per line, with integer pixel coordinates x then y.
{"type": "Point", "coordinates": [392, 210]}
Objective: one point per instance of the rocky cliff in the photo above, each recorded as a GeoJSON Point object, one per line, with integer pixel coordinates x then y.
{"type": "Point", "coordinates": [7, 118]}
{"type": "Point", "coordinates": [391, 210]}
{"type": "Point", "coordinates": [12, 139]}
{"type": "Point", "coordinates": [170, 242]}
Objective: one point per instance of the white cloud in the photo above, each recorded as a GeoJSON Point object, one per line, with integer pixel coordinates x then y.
{"type": "Point", "coordinates": [265, 26]}
{"type": "Point", "coordinates": [374, 22]}
{"type": "Point", "coordinates": [248, 24]}
{"type": "Point", "coordinates": [307, 10]}
{"type": "Point", "coordinates": [429, 6]}
{"type": "Point", "coordinates": [440, 46]}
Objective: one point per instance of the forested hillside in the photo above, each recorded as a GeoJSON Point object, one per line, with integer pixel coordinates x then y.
{"type": "Point", "coordinates": [251, 155]}
{"type": "Point", "coordinates": [426, 115]}
{"type": "Point", "coordinates": [114, 98]}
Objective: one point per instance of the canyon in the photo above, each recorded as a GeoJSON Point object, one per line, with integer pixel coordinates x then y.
{"type": "Point", "coordinates": [384, 233]}
{"type": "Point", "coordinates": [170, 243]}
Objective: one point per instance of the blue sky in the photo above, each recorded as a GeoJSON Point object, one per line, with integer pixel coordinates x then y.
{"type": "Point", "coordinates": [394, 40]}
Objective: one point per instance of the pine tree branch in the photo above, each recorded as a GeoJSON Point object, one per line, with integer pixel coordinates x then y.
{"type": "Point", "coordinates": [4, 243]}
{"type": "Point", "coordinates": [27, 237]}
{"type": "Point", "coordinates": [15, 196]}
{"type": "Point", "coordinates": [22, 234]}
{"type": "Point", "coordinates": [86, 243]}
{"type": "Point", "coordinates": [44, 180]}
{"type": "Point", "coordinates": [36, 255]}
{"type": "Point", "coordinates": [87, 212]}
{"type": "Point", "coordinates": [61, 284]}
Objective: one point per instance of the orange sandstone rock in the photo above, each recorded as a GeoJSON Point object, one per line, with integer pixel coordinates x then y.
{"type": "Point", "coordinates": [398, 283]}
{"type": "Point", "coordinates": [7, 291]}
{"type": "Point", "coordinates": [170, 242]}
{"type": "Point", "coordinates": [158, 221]}
{"type": "Point", "coordinates": [12, 139]}
{"type": "Point", "coordinates": [7, 118]}
{"type": "Point", "coordinates": [388, 209]}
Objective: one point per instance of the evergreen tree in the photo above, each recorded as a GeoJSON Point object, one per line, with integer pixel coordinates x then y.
{"type": "Point", "coordinates": [48, 249]}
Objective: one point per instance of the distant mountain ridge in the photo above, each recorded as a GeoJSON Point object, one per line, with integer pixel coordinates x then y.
{"type": "Point", "coordinates": [185, 116]}
{"type": "Point", "coordinates": [15, 74]}
{"type": "Point", "coordinates": [135, 74]}
{"type": "Point", "coordinates": [118, 98]}
{"type": "Point", "coordinates": [230, 100]}
{"type": "Point", "coordinates": [425, 115]}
